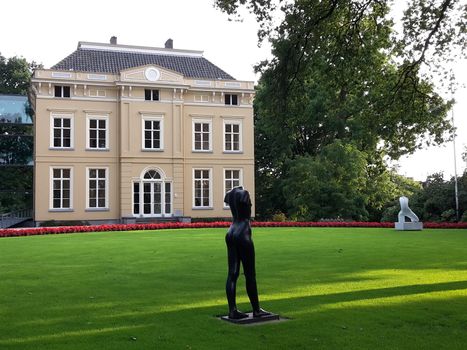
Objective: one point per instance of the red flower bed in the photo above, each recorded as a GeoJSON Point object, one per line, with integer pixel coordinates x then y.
{"type": "Point", "coordinates": [218, 224]}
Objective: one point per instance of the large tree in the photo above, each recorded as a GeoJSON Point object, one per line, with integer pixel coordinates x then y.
{"type": "Point", "coordinates": [15, 75]}
{"type": "Point", "coordinates": [340, 72]}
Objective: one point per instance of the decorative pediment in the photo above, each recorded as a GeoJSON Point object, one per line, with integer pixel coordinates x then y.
{"type": "Point", "coordinates": [150, 74]}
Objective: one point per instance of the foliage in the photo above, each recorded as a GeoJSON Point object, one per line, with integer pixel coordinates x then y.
{"type": "Point", "coordinates": [436, 198]}
{"type": "Point", "coordinates": [341, 72]}
{"type": "Point", "coordinates": [433, 31]}
{"type": "Point", "coordinates": [330, 185]}
{"type": "Point", "coordinates": [16, 140]}
{"type": "Point", "coordinates": [15, 187]}
{"type": "Point", "coordinates": [16, 143]}
{"type": "Point", "coordinates": [434, 35]}
{"type": "Point", "coordinates": [279, 217]}
{"type": "Point", "coordinates": [435, 201]}
{"type": "Point", "coordinates": [384, 188]}
{"type": "Point", "coordinates": [15, 75]}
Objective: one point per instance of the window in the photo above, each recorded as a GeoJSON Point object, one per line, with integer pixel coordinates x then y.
{"type": "Point", "coordinates": [97, 132]}
{"type": "Point", "coordinates": [151, 95]}
{"type": "Point", "coordinates": [232, 136]}
{"type": "Point", "coordinates": [231, 99]}
{"type": "Point", "coordinates": [201, 98]}
{"type": "Point", "coordinates": [201, 135]}
{"type": "Point", "coordinates": [61, 188]}
{"type": "Point", "coordinates": [97, 188]}
{"type": "Point", "coordinates": [168, 197]}
{"type": "Point", "coordinates": [152, 175]}
{"type": "Point", "coordinates": [232, 178]}
{"type": "Point", "coordinates": [62, 91]}
{"type": "Point", "coordinates": [97, 93]}
{"type": "Point", "coordinates": [61, 131]}
{"type": "Point", "coordinates": [202, 188]}
{"type": "Point", "coordinates": [152, 133]}
{"type": "Point", "coordinates": [152, 195]}
{"type": "Point", "coordinates": [136, 198]}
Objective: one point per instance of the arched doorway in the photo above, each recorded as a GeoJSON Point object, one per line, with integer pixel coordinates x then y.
{"type": "Point", "coordinates": [152, 195]}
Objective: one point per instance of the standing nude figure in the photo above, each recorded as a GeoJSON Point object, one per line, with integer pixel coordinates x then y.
{"type": "Point", "coordinates": [240, 249]}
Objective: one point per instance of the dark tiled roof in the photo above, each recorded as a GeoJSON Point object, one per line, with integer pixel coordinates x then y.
{"type": "Point", "coordinates": [100, 61]}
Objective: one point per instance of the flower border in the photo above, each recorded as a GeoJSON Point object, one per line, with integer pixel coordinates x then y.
{"type": "Point", "coordinates": [13, 232]}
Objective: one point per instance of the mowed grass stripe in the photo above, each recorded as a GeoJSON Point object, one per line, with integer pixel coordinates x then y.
{"type": "Point", "coordinates": [352, 288]}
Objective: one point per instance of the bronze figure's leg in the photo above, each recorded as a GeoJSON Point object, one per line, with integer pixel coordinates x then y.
{"type": "Point", "coordinates": [232, 277]}
{"type": "Point", "coordinates": [247, 256]}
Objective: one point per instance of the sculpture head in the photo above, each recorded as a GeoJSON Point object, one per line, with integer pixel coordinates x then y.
{"type": "Point", "coordinates": [404, 202]}
{"type": "Point", "coordinates": [239, 202]}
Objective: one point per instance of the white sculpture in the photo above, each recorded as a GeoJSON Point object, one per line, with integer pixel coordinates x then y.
{"type": "Point", "coordinates": [414, 223]}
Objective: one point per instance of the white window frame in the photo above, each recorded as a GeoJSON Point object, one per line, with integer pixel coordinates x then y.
{"type": "Point", "coordinates": [210, 206]}
{"type": "Point", "coordinates": [240, 180]}
{"type": "Point", "coordinates": [164, 193]}
{"type": "Point", "coordinates": [203, 121]}
{"type": "Point", "coordinates": [141, 181]}
{"type": "Point", "coordinates": [62, 91]}
{"type": "Point", "coordinates": [51, 188]}
{"type": "Point", "coordinates": [97, 93]}
{"type": "Point", "coordinates": [106, 207]}
{"type": "Point", "coordinates": [70, 116]}
{"type": "Point", "coordinates": [88, 132]}
{"type": "Point", "coordinates": [230, 99]}
{"type": "Point", "coordinates": [201, 98]}
{"type": "Point", "coordinates": [159, 118]}
{"type": "Point", "coordinates": [152, 95]}
{"type": "Point", "coordinates": [240, 137]}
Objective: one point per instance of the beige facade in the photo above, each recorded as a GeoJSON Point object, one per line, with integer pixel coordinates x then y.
{"type": "Point", "coordinates": [146, 143]}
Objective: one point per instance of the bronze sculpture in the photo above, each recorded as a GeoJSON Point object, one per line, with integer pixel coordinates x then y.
{"type": "Point", "coordinates": [240, 249]}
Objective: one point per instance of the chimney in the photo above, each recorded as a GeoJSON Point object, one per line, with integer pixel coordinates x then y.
{"type": "Point", "coordinates": [113, 40]}
{"type": "Point", "coordinates": [169, 44]}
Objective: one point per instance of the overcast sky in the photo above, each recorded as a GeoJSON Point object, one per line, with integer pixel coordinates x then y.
{"type": "Point", "coordinates": [48, 30]}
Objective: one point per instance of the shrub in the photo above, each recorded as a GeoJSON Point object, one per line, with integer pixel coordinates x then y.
{"type": "Point", "coordinates": [279, 217]}
{"type": "Point", "coordinates": [448, 215]}
{"type": "Point", "coordinates": [390, 213]}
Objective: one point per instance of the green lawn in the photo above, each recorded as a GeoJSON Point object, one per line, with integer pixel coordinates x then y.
{"type": "Point", "coordinates": [342, 288]}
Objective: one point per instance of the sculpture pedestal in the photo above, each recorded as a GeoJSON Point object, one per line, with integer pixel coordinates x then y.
{"type": "Point", "coordinates": [250, 319]}
{"type": "Point", "coordinates": [409, 226]}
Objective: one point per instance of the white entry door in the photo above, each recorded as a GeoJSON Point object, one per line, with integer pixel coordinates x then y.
{"type": "Point", "coordinates": [152, 198]}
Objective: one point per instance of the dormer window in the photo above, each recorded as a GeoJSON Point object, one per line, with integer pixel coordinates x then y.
{"type": "Point", "coordinates": [151, 95]}
{"type": "Point", "coordinates": [231, 100]}
{"type": "Point", "coordinates": [62, 91]}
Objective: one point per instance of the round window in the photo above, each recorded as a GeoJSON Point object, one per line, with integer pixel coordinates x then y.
{"type": "Point", "coordinates": [152, 74]}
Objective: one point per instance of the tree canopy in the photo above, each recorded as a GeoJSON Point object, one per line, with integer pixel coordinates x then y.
{"type": "Point", "coordinates": [15, 75]}
{"type": "Point", "coordinates": [341, 73]}
{"type": "Point", "coordinates": [433, 31]}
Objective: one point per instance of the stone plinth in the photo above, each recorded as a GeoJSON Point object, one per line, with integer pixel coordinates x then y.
{"type": "Point", "coordinates": [250, 319]}
{"type": "Point", "coordinates": [409, 226]}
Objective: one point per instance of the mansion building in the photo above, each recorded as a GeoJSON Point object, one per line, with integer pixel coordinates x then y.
{"type": "Point", "coordinates": [129, 133]}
